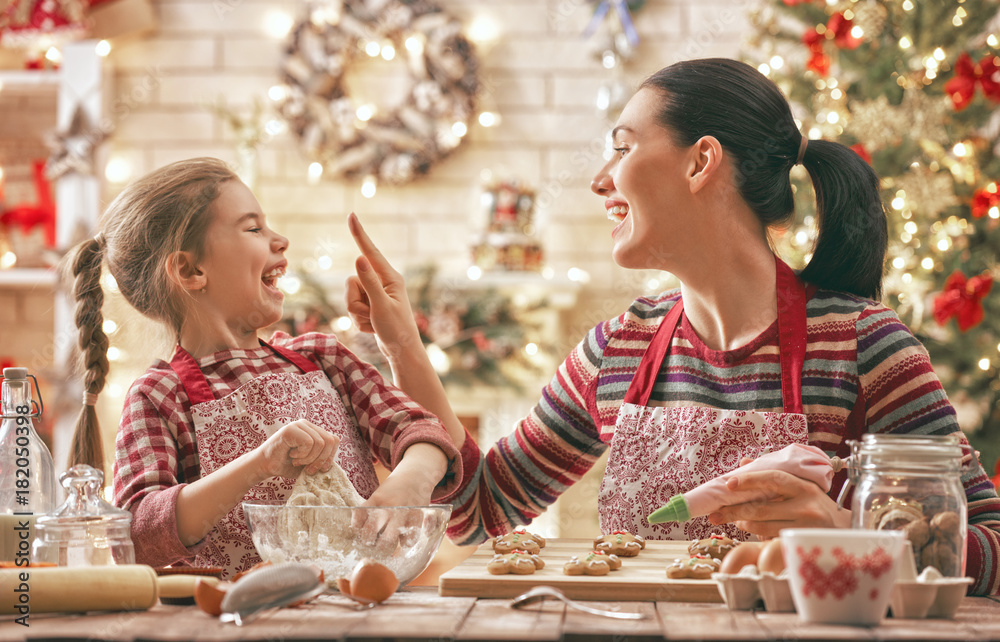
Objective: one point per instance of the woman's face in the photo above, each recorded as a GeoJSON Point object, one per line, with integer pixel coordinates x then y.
{"type": "Point", "coordinates": [645, 188]}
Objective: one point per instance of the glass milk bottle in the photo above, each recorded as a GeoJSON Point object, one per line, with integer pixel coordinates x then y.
{"type": "Point", "coordinates": [27, 476]}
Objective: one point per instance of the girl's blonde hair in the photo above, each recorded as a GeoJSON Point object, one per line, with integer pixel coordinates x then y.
{"type": "Point", "coordinates": [163, 212]}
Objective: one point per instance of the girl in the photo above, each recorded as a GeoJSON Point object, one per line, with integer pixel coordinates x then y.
{"type": "Point", "coordinates": [231, 418]}
{"type": "Point", "coordinates": [746, 358]}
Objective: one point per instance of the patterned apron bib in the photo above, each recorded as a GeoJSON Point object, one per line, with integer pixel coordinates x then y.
{"type": "Point", "coordinates": [658, 452]}
{"type": "Point", "coordinates": [236, 424]}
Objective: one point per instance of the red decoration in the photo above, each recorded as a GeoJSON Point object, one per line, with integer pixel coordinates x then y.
{"type": "Point", "coordinates": [818, 60]}
{"type": "Point", "coordinates": [25, 22]}
{"type": "Point", "coordinates": [996, 475]}
{"type": "Point", "coordinates": [962, 88]}
{"type": "Point", "coordinates": [838, 29]}
{"type": "Point", "coordinates": [29, 215]}
{"type": "Point", "coordinates": [860, 150]}
{"type": "Point", "coordinates": [983, 199]}
{"type": "Point", "coordinates": [962, 298]}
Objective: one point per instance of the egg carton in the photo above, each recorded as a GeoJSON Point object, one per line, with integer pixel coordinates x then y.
{"type": "Point", "coordinates": [745, 590]}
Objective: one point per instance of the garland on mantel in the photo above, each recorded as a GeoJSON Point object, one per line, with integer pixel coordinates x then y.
{"type": "Point", "coordinates": [348, 139]}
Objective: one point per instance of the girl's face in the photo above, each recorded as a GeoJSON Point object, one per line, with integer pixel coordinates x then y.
{"type": "Point", "coordinates": [645, 188]}
{"type": "Point", "coordinates": [242, 262]}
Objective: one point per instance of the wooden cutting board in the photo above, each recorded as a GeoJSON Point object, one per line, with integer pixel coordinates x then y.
{"type": "Point", "coordinates": [641, 578]}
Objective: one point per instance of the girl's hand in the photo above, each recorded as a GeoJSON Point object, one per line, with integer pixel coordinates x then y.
{"type": "Point", "coordinates": [792, 502]}
{"type": "Point", "coordinates": [411, 484]}
{"type": "Point", "coordinates": [294, 446]}
{"type": "Point", "coordinates": [376, 297]}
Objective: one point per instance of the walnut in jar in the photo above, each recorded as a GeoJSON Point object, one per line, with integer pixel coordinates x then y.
{"type": "Point", "coordinates": [945, 526]}
{"type": "Point", "coordinates": [918, 532]}
{"type": "Point", "coordinates": [941, 555]}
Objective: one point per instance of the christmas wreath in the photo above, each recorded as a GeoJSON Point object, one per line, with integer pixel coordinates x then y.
{"type": "Point", "coordinates": [348, 139]}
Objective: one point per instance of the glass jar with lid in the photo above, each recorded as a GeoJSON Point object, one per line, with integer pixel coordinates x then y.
{"type": "Point", "coordinates": [85, 530]}
{"type": "Point", "coordinates": [913, 483]}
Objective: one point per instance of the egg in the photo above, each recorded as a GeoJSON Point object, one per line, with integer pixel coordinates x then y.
{"type": "Point", "coordinates": [372, 582]}
{"type": "Point", "coordinates": [771, 558]}
{"type": "Point", "coordinates": [744, 554]}
{"type": "Point", "coordinates": [208, 594]}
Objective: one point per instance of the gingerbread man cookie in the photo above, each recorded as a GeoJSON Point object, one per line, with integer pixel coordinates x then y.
{"type": "Point", "coordinates": [516, 562]}
{"type": "Point", "coordinates": [697, 567]}
{"type": "Point", "coordinates": [595, 563]}
{"type": "Point", "coordinates": [621, 543]}
{"type": "Point", "coordinates": [715, 545]}
{"type": "Point", "coordinates": [518, 540]}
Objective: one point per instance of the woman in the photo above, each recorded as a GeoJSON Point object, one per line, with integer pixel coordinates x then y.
{"type": "Point", "coordinates": [746, 358]}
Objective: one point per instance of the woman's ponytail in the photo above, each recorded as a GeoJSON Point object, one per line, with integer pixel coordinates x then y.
{"type": "Point", "coordinates": [850, 248]}
{"type": "Point", "coordinates": [86, 447]}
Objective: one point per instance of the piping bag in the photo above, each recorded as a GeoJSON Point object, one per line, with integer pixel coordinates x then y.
{"type": "Point", "coordinates": [801, 460]}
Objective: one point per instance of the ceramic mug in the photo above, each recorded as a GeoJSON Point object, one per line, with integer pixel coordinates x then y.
{"type": "Point", "coordinates": [841, 576]}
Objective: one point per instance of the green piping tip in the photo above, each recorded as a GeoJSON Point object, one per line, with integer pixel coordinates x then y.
{"type": "Point", "coordinates": [675, 510]}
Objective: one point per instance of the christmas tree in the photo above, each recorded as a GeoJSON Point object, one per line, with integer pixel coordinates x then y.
{"type": "Point", "coordinates": [913, 86]}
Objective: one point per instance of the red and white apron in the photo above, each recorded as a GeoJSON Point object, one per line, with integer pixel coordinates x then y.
{"type": "Point", "coordinates": [236, 424]}
{"type": "Point", "coordinates": [658, 452]}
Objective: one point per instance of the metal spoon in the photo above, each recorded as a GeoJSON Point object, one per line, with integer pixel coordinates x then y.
{"type": "Point", "coordinates": [539, 593]}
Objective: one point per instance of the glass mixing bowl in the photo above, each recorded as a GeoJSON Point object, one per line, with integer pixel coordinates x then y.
{"type": "Point", "coordinates": [336, 538]}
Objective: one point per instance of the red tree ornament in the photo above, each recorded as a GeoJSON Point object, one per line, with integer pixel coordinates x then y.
{"type": "Point", "coordinates": [962, 298]}
{"type": "Point", "coordinates": [983, 199]}
{"type": "Point", "coordinates": [860, 150]}
{"type": "Point", "coordinates": [986, 73]}
{"type": "Point", "coordinates": [841, 28]}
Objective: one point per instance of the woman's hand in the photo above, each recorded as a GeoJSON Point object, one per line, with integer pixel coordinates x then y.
{"type": "Point", "coordinates": [377, 300]}
{"type": "Point", "coordinates": [294, 446]}
{"type": "Point", "coordinates": [792, 502]}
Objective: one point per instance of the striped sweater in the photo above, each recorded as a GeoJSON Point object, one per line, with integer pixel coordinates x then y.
{"type": "Point", "coordinates": [863, 372]}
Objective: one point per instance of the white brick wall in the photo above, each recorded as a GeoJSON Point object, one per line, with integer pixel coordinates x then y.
{"type": "Point", "coordinates": [542, 76]}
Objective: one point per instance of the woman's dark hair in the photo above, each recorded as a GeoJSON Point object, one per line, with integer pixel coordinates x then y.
{"type": "Point", "coordinates": [751, 119]}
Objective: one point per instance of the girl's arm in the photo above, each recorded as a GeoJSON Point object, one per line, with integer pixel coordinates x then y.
{"type": "Point", "coordinates": [201, 504]}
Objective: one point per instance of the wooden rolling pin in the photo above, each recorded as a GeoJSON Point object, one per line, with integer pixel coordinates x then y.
{"type": "Point", "coordinates": [59, 589]}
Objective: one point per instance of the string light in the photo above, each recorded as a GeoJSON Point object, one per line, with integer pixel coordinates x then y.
{"type": "Point", "coordinates": [277, 24]}
{"type": "Point", "coordinates": [315, 172]}
{"type": "Point", "coordinates": [372, 48]}
{"type": "Point", "coordinates": [414, 45]}
{"type": "Point", "coordinates": [578, 275]}
{"type": "Point", "coordinates": [368, 187]}
{"type": "Point", "coordinates": [439, 360]}
{"type": "Point", "coordinates": [531, 349]}
{"type": "Point", "coordinates": [548, 273]}
{"type": "Point", "coordinates": [459, 129]}
{"type": "Point", "coordinates": [114, 354]}
{"type": "Point", "coordinates": [388, 52]}
{"type": "Point", "coordinates": [898, 203]}
{"type": "Point", "coordinates": [290, 284]}
{"type": "Point", "coordinates": [8, 260]}
{"type": "Point", "coordinates": [109, 326]}
{"type": "Point", "coordinates": [984, 364]}
{"type": "Point", "coordinates": [488, 119]}
{"type": "Point", "coordinates": [907, 278]}
{"type": "Point", "coordinates": [324, 262]}
{"type": "Point", "coordinates": [905, 43]}
{"type": "Point", "coordinates": [483, 30]}
{"type": "Point", "coordinates": [365, 112]}
{"type": "Point", "coordinates": [927, 263]}
{"type": "Point", "coordinates": [907, 5]}
{"type": "Point", "coordinates": [910, 227]}
{"type": "Point", "coordinates": [102, 48]}
{"type": "Point", "coordinates": [899, 263]}
{"type": "Point", "coordinates": [343, 324]}
{"type": "Point", "coordinates": [777, 62]}
{"type": "Point", "coordinates": [959, 150]}
{"type": "Point", "coordinates": [764, 68]}
{"type": "Point", "coordinates": [109, 283]}
{"type": "Point", "coordinates": [118, 170]}
{"type": "Point", "coordinates": [277, 93]}
{"type": "Point", "coordinates": [991, 40]}
{"type": "Point", "coordinates": [474, 273]}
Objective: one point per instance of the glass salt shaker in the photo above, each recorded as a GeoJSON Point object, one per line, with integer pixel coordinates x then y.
{"type": "Point", "coordinates": [85, 530]}
{"type": "Point", "coordinates": [27, 474]}
{"type": "Point", "coordinates": [913, 483]}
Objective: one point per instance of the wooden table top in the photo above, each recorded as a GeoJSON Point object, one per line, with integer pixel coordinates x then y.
{"type": "Point", "coordinates": [421, 614]}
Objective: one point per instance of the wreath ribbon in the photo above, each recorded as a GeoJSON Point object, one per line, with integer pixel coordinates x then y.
{"type": "Point", "coordinates": [621, 7]}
